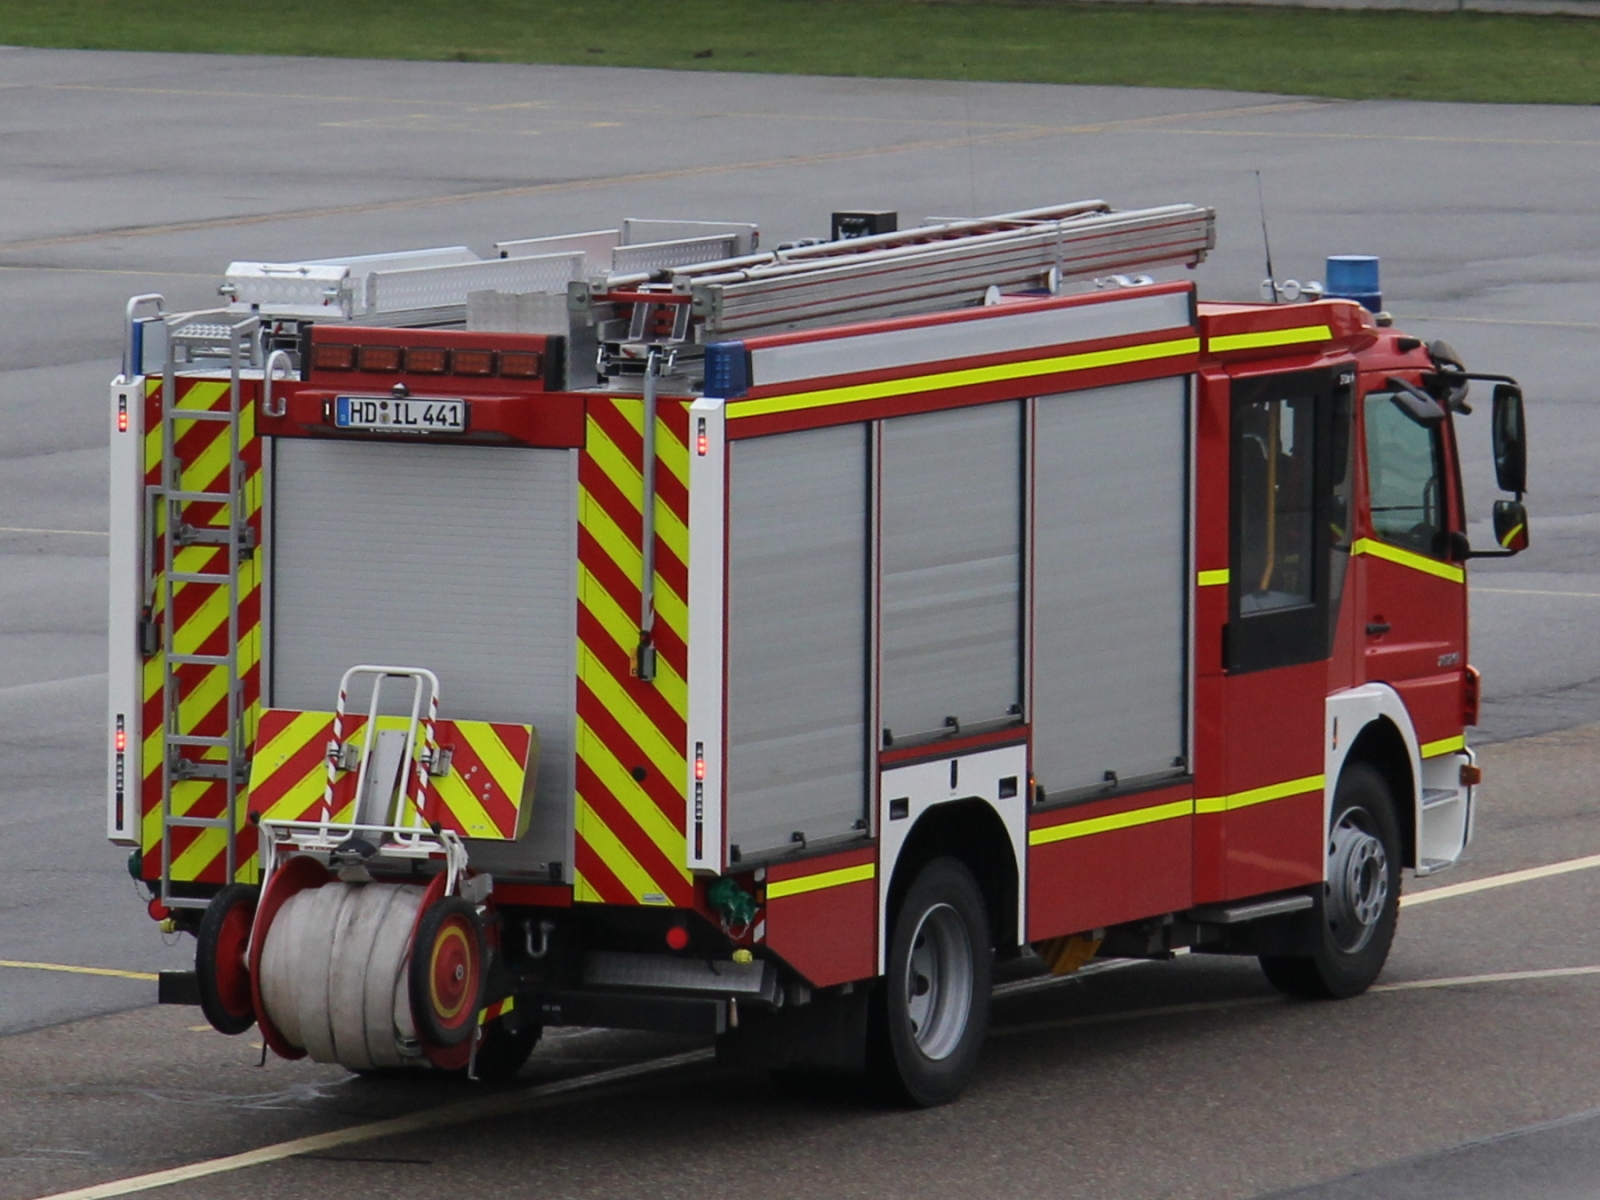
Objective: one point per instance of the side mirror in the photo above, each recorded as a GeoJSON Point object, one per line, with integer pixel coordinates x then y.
{"type": "Point", "coordinates": [1510, 523]}
{"type": "Point", "coordinates": [1510, 435]}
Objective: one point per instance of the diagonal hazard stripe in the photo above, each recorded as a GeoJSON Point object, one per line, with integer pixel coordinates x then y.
{"type": "Point", "coordinates": [624, 553]}
{"type": "Point", "coordinates": [663, 832]}
{"type": "Point", "coordinates": [663, 755]}
{"type": "Point", "coordinates": [662, 868]}
{"type": "Point", "coordinates": [623, 592]}
{"type": "Point", "coordinates": [619, 628]}
{"type": "Point", "coordinates": [617, 858]}
{"type": "Point", "coordinates": [623, 425]}
{"type": "Point", "coordinates": [614, 485]}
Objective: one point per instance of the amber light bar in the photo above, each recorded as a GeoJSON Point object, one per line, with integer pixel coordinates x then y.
{"type": "Point", "coordinates": [427, 360]}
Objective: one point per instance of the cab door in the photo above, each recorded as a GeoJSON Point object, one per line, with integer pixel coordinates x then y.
{"type": "Point", "coordinates": [1414, 610]}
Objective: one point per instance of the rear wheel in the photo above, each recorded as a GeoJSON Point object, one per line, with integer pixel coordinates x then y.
{"type": "Point", "coordinates": [504, 1048]}
{"type": "Point", "coordinates": [222, 975]}
{"type": "Point", "coordinates": [932, 1007]}
{"type": "Point", "coordinates": [1360, 904]}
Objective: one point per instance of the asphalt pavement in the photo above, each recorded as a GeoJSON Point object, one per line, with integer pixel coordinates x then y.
{"type": "Point", "coordinates": [129, 173]}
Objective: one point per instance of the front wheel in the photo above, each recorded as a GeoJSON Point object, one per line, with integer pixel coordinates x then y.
{"type": "Point", "coordinates": [931, 1011]}
{"type": "Point", "coordinates": [1360, 903]}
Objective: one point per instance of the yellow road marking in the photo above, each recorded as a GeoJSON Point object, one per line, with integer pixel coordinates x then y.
{"type": "Point", "coordinates": [444, 1117]}
{"type": "Point", "coordinates": [778, 889]}
{"type": "Point", "coordinates": [1467, 888]}
{"type": "Point", "coordinates": [957, 142]}
{"type": "Point", "coordinates": [71, 970]}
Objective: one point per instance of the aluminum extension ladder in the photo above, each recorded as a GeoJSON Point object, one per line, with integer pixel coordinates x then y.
{"type": "Point", "coordinates": [189, 338]}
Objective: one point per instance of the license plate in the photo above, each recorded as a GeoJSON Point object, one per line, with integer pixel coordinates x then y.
{"type": "Point", "coordinates": [394, 415]}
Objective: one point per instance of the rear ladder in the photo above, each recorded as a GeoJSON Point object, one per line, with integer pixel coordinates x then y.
{"type": "Point", "coordinates": [191, 337]}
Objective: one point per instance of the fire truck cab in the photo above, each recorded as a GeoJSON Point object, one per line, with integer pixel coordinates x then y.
{"type": "Point", "coordinates": [641, 629]}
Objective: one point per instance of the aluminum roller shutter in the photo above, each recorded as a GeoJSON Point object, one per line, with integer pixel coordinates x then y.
{"type": "Point", "coordinates": [951, 513]}
{"type": "Point", "coordinates": [1111, 582]}
{"type": "Point", "coordinates": [797, 636]}
{"type": "Point", "coordinates": [460, 559]}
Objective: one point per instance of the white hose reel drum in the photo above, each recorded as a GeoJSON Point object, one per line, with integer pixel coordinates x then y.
{"type": "Point", "coordinates": [366, 975]}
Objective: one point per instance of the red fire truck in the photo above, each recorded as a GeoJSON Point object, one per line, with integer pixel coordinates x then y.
{"type": "Point", "coordinates": [641, 629]}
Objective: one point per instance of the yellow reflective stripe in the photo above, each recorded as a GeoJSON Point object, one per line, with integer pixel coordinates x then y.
{"type": "Point", "coordinates": [1269, 337]}
{"type": "Point", "coordinates": [1443, 746]}
{"type": "Point", "coordinates": [1260, 795]}
{"type": "Point", "coordinates": [944, 380]}
{"type": "Point", "coordinates": [780, 888]}
{"type": "Point", "coordinates": [1212, 578]}
{"type": "Point", "coordinates": [622, 551]}
{"type": "Point", "coordinates": [663, 755]}
{"type": "Point", "coordinates": [1405, 558]}
{"type": "Point", "coordinates": [625, 790]}
{"type": "Point", "coordinates": [603, 607]}
{"type": "Point", "coordinates": [625, 477]}
{"type": "Point", "coordinates": [1511, 535]}
{"type": "Point", "coordinates": [496, 1010]}
{"type": "Point", "coordinates": [1121, 820]}
{"type": "Point", "coordinates": [619, 860]}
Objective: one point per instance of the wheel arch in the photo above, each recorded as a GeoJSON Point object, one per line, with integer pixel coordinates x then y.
{"type": "Point", "coordinates": [1371, 724]}
{"type": "Point", "coordinates": [971, 832]}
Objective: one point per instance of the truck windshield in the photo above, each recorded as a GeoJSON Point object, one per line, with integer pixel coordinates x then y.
{"type": "Point", "coordinates": [1403, 477]}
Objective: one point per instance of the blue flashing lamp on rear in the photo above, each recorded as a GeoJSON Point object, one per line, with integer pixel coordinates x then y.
{"type": "Point", "coordinates": [727, 370]}
{"type": "Point", "coordinates": [1355, 277]}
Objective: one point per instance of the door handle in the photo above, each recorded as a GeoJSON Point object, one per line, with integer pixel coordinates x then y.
{"type": "Point", "coordinates": [1377, 628]}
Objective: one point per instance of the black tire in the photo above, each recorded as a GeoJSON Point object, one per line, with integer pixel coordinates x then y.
{"type": "Point", "coordinates": [447, 972]}
{"type": "Point", "coordinates": [222, 977]}
{"type": "Point", "coordinates": [930, 1012]}
{"type": "Point", "coordinates": [1355, 916]}
{"type": "Point", "coordinates": [502, 1051]}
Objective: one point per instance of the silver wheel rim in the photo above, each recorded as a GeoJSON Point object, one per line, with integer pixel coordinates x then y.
{"type": "Point", "coordinates": [1358, 881]}
{"type": "Point", "coordinates": [938, 982]}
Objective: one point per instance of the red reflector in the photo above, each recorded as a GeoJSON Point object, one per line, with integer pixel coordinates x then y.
{"type": "Point", "coordinates": [380, 358]}
{"type": "Point", "coordinates": [425, 360]}
{"type": "Point", "coordinates": [473, 362]}
{"type": "Point", "coordinates": [157, 910]}
{"type": "Point", "coordinates": [520, 364]}
{"type": "Point", "coordinates": [677, 937]}
{"type": "Point", "coordinates": [333, 357]}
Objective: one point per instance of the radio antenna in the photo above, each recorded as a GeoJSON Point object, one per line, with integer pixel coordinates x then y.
{"type": "Point", "coordinates": [1266, 243]}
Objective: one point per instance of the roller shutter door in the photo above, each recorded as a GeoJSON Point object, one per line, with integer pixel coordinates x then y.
{"type": "Point", "coordinates": [1111, 584]}
{"type": "Point", "coordinates": [455, 558]}
{"type": "Point", "coordinates": [797, 630]}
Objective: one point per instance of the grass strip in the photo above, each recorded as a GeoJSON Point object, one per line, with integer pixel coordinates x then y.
{"type": "Point", "coordinates": [1457, 56]}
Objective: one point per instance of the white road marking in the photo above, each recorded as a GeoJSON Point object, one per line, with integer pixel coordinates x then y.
{"type": "Point", "coordinates": [1535, 592]}
{"type": "Point", "coordinates": [1417, 985]}
{"type": "Point", "coordinates": [1588, 862]}
{"type": "Point", "coordinates": [499, 1105]}
{"type": "Point", "coordinates": [76, 532]}
{"type": "Point", "coordinates": [433, 1118]}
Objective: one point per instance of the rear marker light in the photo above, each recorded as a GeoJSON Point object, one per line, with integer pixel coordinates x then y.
{"type": "Point", "coordinates": [677, 937]}
{"type": "Point", "coordinates": [425, 360]}
{"type": "Point", "coordinates": [333, 357]}
{"type": "Point", "coordinates": [122, 413]}
{"type": "Point", "coordinates": [701, 442]}
{"type": "Point", "coordinates": [520, 364]}
{"type": "Point", "coordinates": [122, 748]}
{"type": "Point", "coordinates": [699, 799]}
{"type": "Point", "coordinates": [384, 359]}
{"type": "Point", "coordinates": [472, 362]}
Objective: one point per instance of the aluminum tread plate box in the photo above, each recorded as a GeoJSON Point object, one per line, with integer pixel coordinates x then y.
{"type": "Point", "coordinates": [1110, 583]}
{"type": "Point", "coordinates": [797, 630]}
{"type": "Point", "coordinates": [455, 558]}
{"type": "Point", "coordinates": [951, 513]}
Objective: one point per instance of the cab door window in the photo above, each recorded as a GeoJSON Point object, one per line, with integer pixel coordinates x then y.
{"type": "Point", "coordinates": [1404, 477]}
{"type": "Point", "coordinates": [1282, 468]}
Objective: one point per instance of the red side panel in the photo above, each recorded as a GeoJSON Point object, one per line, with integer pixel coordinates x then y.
{"type": "Point", "coordinates": [1092, 865]}
{"type": "Point", "coordinates": [822, 916]}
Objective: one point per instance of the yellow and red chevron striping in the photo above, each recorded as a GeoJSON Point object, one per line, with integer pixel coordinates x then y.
{"type": "Point", "coordinates": [482, 795]}
{"type": "Point", "coordinates": [200, 622]}
{"type": "Point", "coordinates": [631, 746]}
